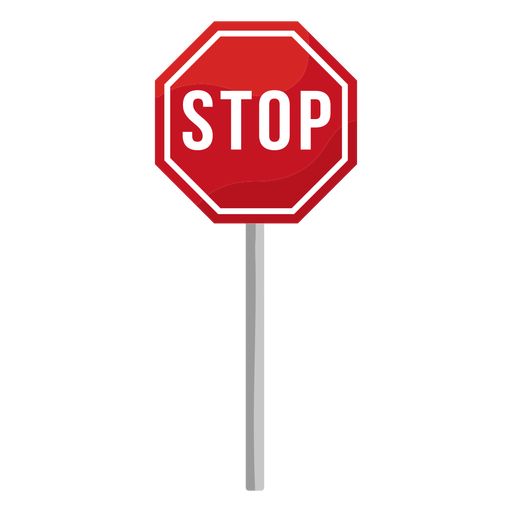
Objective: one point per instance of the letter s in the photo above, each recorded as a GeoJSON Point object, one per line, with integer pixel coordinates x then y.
{"type": "Point", "coordinates": [200, 122]}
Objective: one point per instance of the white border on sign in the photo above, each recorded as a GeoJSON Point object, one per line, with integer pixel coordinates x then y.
{"type": "Point", "coordinates": [167, 122]}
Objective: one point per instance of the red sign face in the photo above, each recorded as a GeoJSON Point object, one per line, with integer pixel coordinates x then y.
{"type": "Point", "coordinates": [255, 122]}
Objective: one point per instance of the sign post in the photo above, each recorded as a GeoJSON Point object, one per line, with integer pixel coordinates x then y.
{"type": "Point", "coordinates": [254, 356]}
{"type": "Point", "coordinates": [255, 122]}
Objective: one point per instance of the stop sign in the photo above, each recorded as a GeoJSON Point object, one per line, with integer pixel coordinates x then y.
{"type": "Point", "coordinates": [255, 122]}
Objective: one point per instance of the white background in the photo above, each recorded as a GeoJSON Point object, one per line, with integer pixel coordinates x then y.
{"type": "Point", "coordinates": [388, 334]}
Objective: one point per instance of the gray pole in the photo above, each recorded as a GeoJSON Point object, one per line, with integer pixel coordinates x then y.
{"type": "Point", "coordinates": [254, 357]}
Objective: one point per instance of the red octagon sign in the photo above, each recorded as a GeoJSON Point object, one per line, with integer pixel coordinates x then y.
{"type": "Point", "coordinates": [255, 122]}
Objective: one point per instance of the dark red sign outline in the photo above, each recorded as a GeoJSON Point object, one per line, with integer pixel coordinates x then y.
{"type": "Point", "coordinates": [255, 218]}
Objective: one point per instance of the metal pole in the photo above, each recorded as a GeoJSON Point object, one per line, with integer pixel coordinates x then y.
{"type": "Point", "coordinates": [254, 357]}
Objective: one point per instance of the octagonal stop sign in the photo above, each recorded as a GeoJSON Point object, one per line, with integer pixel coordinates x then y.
{"type": "Point", "coordinates": [255, 122]}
